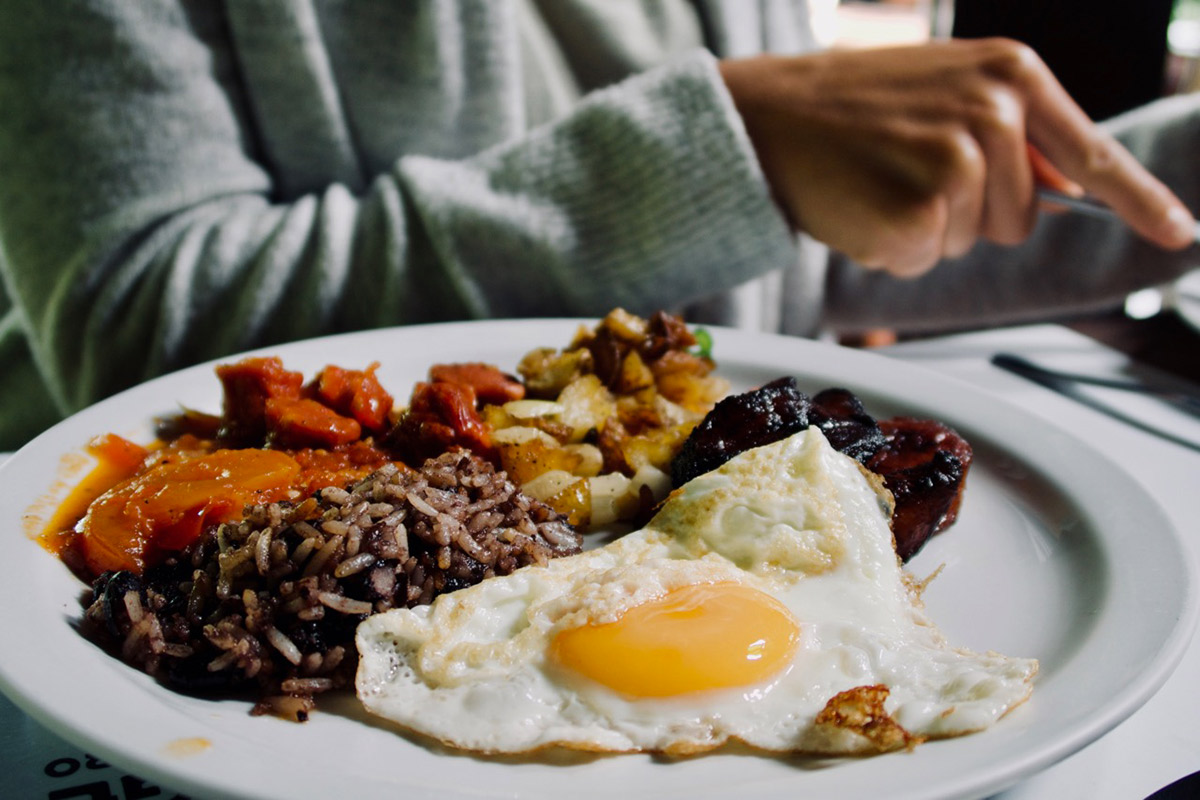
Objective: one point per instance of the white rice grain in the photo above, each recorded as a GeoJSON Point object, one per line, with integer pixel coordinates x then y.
{"type": "Point", "coordinates": [284, 645]}
{"type": "Point", "coordinates": [344, 605]}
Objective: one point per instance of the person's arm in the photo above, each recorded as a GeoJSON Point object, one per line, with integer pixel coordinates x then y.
{"type": "Point", "coordinates": [142, 231]}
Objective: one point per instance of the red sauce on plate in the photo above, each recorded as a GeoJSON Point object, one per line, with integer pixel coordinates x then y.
{"type": "Point", "coordinates": [276, 439]}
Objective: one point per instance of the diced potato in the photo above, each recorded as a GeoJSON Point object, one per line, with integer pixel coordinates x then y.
{"type": "Point", "coordinates": [655, 447]}
{"type": "Point", "coordinates": [546, 371]}
{"type": "Point", "coordinates": [496, 417]}
{"type": "Point", "coordinates": [624, 325]}
{"type": "Point", "coordinates": [673, 414]}
{"type": "Point", "coordinates": [500, 420]}
{"type": "Point", "coordinates": [611, 441]}
{"type": "Point", "coordinates": [522, 435]}
{"type": "Point", "coordinates": [526, 453]}
{"type": "Point", "coordinates": [586, 403]}
{"type": "Point", "coordinates": [637, 411]}
{"type": "Point", "coordinates": [574, 501]}
{"type": "Point", "coordinates": [591, 460]}
{"type": "Point", "coordinates": [681, 362]}
{"type": "Point", "coordinates": [635, 375]}
{"type": "Point", "coordinates": [611, 499]}
{"type": "Point", "coordinates": [575, 441]}
{"type": "Point", "coordinates": [696, 393]}
{"type": "Point", "coordinates": [548, 484]}
{"type": "Point", "coordinates": [532, 409]}
{"type": "Point", "coordinates": [654, 479]}
{"type": "Point", "coordinates": [565, 493]}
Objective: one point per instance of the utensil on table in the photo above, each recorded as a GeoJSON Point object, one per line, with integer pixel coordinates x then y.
{"type": "Point", "coordinates": [1023, 366]}
{"type": "Point", "coordinates": [1068, 383]}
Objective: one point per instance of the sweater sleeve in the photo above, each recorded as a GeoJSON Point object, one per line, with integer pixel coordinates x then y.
{"type": "Point", "coordinates": [1071, 264]}
{"type": "Point", "coordinates": [144, 227]}
{"type": "Point", "coordinates": [647, 196]}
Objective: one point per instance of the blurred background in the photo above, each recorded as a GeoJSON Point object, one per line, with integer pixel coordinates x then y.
{"type": "Point", "coordinates": [1112, 55]}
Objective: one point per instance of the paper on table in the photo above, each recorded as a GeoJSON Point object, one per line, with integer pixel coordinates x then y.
{"type": "Point", "coordinates": [38, 764]}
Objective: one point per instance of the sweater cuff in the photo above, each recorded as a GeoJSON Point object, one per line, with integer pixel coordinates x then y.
{"type": "Point", "coordinates": [647, 195]}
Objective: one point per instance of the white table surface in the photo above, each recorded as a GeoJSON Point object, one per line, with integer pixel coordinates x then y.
{"type": "Point", "coordinates": [1157, 745]}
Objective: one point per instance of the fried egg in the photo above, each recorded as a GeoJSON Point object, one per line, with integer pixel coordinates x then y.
{"type": "Point", "coordinates": [764, 603]}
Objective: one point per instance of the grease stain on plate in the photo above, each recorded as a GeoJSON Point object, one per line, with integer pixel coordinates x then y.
{"type": "Point", "coordinates": [190, 746]}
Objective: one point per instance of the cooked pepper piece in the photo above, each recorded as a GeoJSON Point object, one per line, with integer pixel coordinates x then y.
{"type": "Point", "coordinates": [301, 422]}
{"type": "Point", "coordinates": [354, 393]}
{"type": "Point", "coordinates": [440, 416]}
{"type": "Point", "coordinates": [489, 383]}
{"type": "Point", "coordinates": [248, 384]}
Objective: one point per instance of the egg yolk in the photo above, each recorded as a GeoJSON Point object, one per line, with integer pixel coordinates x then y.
{"type": "Point", "coordinates": [697, 638]}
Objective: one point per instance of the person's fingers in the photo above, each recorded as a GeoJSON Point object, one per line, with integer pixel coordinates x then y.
{"type": "Point", "coordinates": [910, 239]}
{"type": "Point", "coordinates": [919, 254]}
{"type": "Point", "coordinates": [1009, 205]}
{"type": "Point", "coordinates": [1112, 174]}
{"type": "Point", "coordinates": [1092, 158]}
{"type": "Point", "coordinates": [904, 238]}
{"type": "Point", "coordinates": [964, 191]}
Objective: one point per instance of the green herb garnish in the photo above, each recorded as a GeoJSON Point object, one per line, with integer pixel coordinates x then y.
{"type": "Point", "coordinates": [704, 343]}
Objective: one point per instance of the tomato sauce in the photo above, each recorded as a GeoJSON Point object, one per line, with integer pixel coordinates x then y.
{"type": "Point", "coordinates": [116, 460]}
{"type": "Point", "coordinates": [139, 503]}
{"type": "Point", "coordinates": [166, 507]}
{"type": "Point", "coordinates": [277, 439]}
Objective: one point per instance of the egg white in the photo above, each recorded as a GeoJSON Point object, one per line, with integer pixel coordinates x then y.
{"type": "Point", "coordinates": [795, 519]}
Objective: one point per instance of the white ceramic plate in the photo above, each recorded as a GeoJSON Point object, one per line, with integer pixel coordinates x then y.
{"type": "Point", "coordinates": [1058, 555]}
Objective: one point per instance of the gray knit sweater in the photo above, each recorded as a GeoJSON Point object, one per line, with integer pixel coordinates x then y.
{"type": "Point", "coordinates": [184, 179]}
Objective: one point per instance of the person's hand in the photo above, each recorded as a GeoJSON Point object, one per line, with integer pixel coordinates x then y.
{"type": "Point", "coordinates": [901, 156]}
